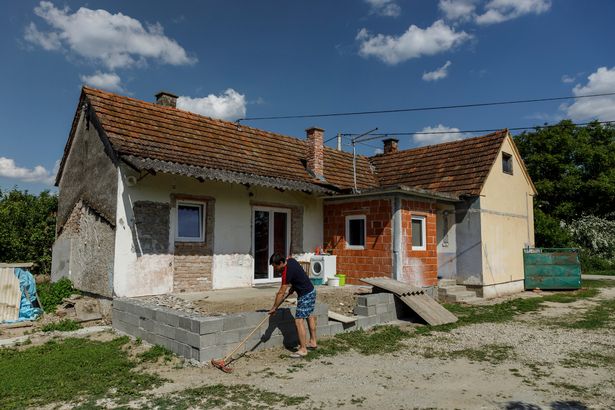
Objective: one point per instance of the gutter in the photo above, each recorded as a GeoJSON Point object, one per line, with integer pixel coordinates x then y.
{"type": "Point", "coordinates": [402, 189]}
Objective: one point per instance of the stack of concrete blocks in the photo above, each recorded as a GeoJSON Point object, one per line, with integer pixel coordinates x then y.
{"type": "Point", "coordinates": [202, 338]}
{"type": "Point", "coordinates": [373, 309]}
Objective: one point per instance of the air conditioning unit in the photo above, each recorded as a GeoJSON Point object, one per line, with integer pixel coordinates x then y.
{"type": "Point", "coordinates": [323, 266]}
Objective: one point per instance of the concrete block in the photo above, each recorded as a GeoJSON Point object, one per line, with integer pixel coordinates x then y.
{"type": "Point", "coordinates": [335, 328]}
{"type": "Point", "coordinates": [126, 317]}
{"type": "Point", "coordinates": [373, 320]}
{"type": "Point", "coordinates": [164, 330]}
{"type": "Point", "coordinates": [386, 297]}
{"type": "Point", "coordinates": [323, 331]}
{"type": "Point", "coordinates": [165, 342]}
{"type": "Point", "coordinates": [187, 337]}
{"type": "Point", "coordinates": [183, 350]}
{"type": "Point", "coordinates": [195, 354]}
{"type": "Point", "coordinates": [233, 322]}
{"type": "Point", "coordinates": [362, 322]}
{"type": "Point", "coordinates": [208, 324]}
{"type": "Point", "coordinates": [214, 352]}
{"type": "Point", "coordinates": [188, 323]}
{"type": "Point", "coordinates": [120, 304]}
{"type": "Point", "coordinates": [208, 340]}
{"type": "Point", "coordinates": [231, 336]}
{"type": "Point", "coordinates": [365, 310]}
{"type": "Point", "coordinates": [254, 318]}
{"type": "Point", "coordinates": [382, 308]}
{"type": "Point", "coordinates": [146, 324]}
{"type": "Point", "coordinates": [121, 326]}
{"type": "Point", "coordinates": [167, 316]}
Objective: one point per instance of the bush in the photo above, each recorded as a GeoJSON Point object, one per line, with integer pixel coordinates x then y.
{"type": "Point", "coordinates": [52, 294]}
{"type": "Point", "coordinates": [596, 235]}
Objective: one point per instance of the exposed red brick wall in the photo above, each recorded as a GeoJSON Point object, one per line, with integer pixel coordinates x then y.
{"type": "Point", "coordinates": [315, 150]}
{"type": "Point", "coordinates": [420, 267]}
{"type": "Point", "coordinates": [375, 259]}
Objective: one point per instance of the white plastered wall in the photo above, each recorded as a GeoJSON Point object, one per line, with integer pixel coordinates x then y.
{"type": "Point", "coordinates": [507, 225]}
{"type": "Point", "coordinates": [233, 263]}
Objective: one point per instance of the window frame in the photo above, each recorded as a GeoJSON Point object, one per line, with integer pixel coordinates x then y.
{"type": "Point", "coordinates": [423, 220]}
{"type": "Point", "coordinates": [202, 215]}
{"type": "Point", "coordinates": [347, 231]}
{"type": "Point", "coordinates": [507, 160]}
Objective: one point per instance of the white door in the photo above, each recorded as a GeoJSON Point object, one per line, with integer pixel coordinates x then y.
{"type": "Point", "coordinates": [271, 234]}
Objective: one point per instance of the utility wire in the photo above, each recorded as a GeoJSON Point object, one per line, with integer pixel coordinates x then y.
{"type": "Point", "coordinates": [391, 134]}
{"type": "Point", "coordinates": [440, 107]}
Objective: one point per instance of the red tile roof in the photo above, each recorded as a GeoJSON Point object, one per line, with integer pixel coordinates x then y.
{"type": "Point", "coordinates": [458, 167]}
{"type": "Point", "coordinates": [152, 131]}
{"type": "Point", "coordinates": [173, 139]}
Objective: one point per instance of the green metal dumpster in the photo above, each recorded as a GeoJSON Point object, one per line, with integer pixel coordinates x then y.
{"type": "Point", "coordinates": [552, 268]}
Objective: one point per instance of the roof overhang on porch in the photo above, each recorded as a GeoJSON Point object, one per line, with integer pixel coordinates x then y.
{"type": "Point", "coordinates": [202, 173]}
{"type": "Point", "coordinates": [402, 189]}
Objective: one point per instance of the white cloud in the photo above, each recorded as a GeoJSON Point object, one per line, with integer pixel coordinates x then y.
{"type": "Point", "coordinates": [386, 8]}
{"type": "Point", "coordinates": [9, 169]}
{"type": "Point", "coordinates": [567, 79]}
{"type": "Point", "coordinates": [436, 135]}
{"type": "Point", "coordinates": [438, 73]}
{"type": "Point", "coordinates": [113, 40]}
{"type": "Point", "coordinates": [228, 106]}
{"type": "Point", "coordinates": [105, 81]}
{"type": "Point", "coordinates": [462, 10]}
{"type": "Point", "coordinates": [602, 108]}
{"type": "Point", "coordinates": [414, 43]}
{"type": "Point", "coordinates": [378, 151]}
{"type": "Point", "coordinates": [497, 11]}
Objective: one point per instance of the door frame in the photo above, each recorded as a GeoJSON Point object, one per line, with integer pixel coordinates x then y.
{"type": "Point", "coordinates": [270, 209]}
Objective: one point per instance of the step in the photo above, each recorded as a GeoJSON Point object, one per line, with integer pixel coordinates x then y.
{"type": "Point", "coordinates": [443, 283]}
{"type": "Point", "coordinates": [450, 289]}
{"type": "Point", "coordinates": [460, 296]}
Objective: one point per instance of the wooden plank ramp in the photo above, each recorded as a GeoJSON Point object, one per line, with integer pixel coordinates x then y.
{"type": "Point", "coordinates": [416, 299]}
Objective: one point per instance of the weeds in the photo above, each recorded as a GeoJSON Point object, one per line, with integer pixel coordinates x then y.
{"type": "Point", "coordinates": [66, 325]}
{"type": "Point", "coordinates": [222, 396]}
{"type": "Point", "coordinates": [587, 359]}
{"type": "Point", "coordinates": [381, 339]}
{"type": "Point", "coordinates": [52, 294]}
{"type": "Point", "coordinates": [67, 371]}
{"type": "Point", "coordinates": [154, 353]}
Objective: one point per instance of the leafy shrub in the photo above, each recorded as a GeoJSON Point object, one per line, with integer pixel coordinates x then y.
{"type": "Point", "coordinates": [596, 235]}
{"type": "Point", "coordinates": [52, 294]}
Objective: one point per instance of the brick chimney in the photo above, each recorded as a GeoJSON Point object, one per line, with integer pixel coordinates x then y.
{"type": "Point", "coordinates": [390, 145]}
{"type": "Point", "coordinates": [166, 99]}
{"type": "Point", "coordinates": [315, 149]}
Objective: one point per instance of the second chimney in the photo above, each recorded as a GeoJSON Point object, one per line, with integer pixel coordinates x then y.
{"type": "Point", "coordinates": [390, 145]}
{"type": "Point", "coordinates": [315, 150]}
{"type": "Point", "coordinates": [166, 99]}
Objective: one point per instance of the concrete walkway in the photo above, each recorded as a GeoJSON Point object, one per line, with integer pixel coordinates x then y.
{"type": "Point", "coordinates": [224, 295]}
{"type": "Point", "coordinates": [598, 277]}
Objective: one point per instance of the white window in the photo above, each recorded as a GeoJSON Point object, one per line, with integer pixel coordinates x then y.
{"type": "Point", "coordinates": [355, 232]}
{"type": "Point", "coordinates": [418, 233]}
{"type": "Point", "coordinates": [190, 222]}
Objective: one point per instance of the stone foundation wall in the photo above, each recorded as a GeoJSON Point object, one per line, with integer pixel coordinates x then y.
{"type": "Point", "coordinates": [205, 337]}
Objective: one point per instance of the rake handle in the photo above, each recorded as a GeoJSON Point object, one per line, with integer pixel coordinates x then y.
{"type": "Point", "coordinates": [228, 356]}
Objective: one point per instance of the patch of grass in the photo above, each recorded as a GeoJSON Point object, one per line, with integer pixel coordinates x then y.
{"type": "Point", "coordinates": [52, 294]}
{"type": "Point", "coordinates": [154, 353]}
{"type": "Point", "coordinates": [507, 311]}
{"type": "Point", "coordinates": [492, 353]}
{"type": "Point", "coordinates": [588, 359]}
{"type": "Point", "coordinates": [380, 339]}
{"type": "Point", "coordinates": [595, 318]}
{"type": "Point", "coordinates": [216, 396]}
{"type": "Point", "coordinates": [65, 325]}
{"type": "Point", "coordinates": [68, 371]}
{"type": "Point", "coordinates": [567, 386]}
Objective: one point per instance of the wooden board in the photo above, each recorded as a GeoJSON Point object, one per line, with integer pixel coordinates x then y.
{"type": "Point", "coordinates": [10, 295]}
{"type": "Point", "coordinates": [416, 299]}
{"type": "Point", "coordinates": [17, 265]}
{"type": "Point", "coordinates": [338, 317]}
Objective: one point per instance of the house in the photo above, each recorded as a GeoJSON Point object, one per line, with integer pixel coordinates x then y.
{"type": "Point", "coordinates": [154, 200]}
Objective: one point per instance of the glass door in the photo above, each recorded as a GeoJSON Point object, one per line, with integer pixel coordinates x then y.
{"type": "Point", "coordinates": [271, 234]}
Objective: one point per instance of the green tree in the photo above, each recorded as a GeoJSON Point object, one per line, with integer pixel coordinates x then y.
{"type": "Point", "coordinates": [27, 227]}
{"type": "Point", "coordinates": [573, 169]}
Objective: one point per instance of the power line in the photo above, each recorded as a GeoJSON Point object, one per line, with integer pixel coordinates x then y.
{"type": "Point", "coordinates": [414, 109]}
{"type": "Point", "coordinates": [390, 134]}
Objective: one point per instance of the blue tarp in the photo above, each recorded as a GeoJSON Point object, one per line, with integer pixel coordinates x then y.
{"type": "Point", "coordinates": [27, 309]}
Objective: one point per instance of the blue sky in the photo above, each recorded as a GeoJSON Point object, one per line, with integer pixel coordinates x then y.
{"type": "Point", "coordinates": [232, 59]}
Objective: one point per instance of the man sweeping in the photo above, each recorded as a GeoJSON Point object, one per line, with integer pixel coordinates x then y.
{"type": "Point", "coordinates": [294, 275]}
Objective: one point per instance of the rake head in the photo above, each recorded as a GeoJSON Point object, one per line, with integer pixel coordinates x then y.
{"type": "Point", "coordinates": [220, 364]}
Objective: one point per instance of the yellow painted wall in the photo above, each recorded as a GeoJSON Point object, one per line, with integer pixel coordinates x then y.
{"type": "Point", "coordinates": [507, 220]}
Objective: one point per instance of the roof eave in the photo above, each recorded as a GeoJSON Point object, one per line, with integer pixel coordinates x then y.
{"type": "Point", "coordinates": [403, 189]}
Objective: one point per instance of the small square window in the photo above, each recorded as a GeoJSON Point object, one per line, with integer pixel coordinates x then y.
{"type": "Point", "coordinates": [507, 163]}
{"type": "Point", "coordinates": [355, 232]}
{"type": "Point", "coordinates": [190, 217]}
{"type": "Point", "coordinates": [418, 233]}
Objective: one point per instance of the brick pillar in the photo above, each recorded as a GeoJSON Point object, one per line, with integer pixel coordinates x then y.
{"type": "Point", "coordinates": [390, 145]}
{"type": "Point", "coordinates": [315, 148]}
